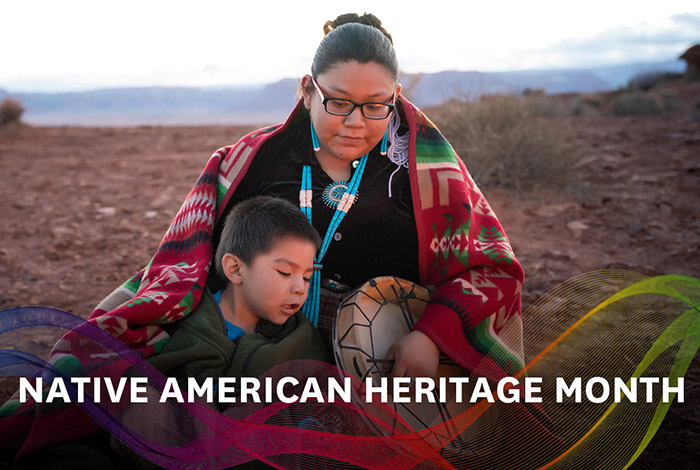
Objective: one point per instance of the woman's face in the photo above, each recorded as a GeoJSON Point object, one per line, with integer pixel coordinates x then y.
{"type": "Point", "coordinates": [346, 138]}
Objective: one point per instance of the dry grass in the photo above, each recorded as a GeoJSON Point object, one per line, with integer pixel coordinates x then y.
{"type": "Point", "coordinates": [648, 80]}
{"type": "Point", "coordinates": [11, 110]}
{"type": "Point", "coordinates": [637, 104]}
{"type": "Point", "coordinates": [541, 104]}
{"type": "Point", "coordinates": [504, 143]}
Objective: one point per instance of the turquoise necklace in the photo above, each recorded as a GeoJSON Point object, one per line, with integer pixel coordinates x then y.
{"type": "Point", "coordinates": [347, 197]}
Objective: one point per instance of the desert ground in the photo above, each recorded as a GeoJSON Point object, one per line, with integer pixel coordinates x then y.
{"type": "Point", "coordinates": [84, 208]}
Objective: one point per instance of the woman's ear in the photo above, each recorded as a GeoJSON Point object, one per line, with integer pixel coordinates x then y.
{"type": "Point", "coordinates": [307, 89]}
{"type": "Point", "coordinates": [232, 268]}
{"type": "Point", "coordinates": [398, 89]}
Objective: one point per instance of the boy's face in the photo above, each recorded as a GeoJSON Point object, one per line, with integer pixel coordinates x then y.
{"type": "Point", "coordinates": [275, 284]}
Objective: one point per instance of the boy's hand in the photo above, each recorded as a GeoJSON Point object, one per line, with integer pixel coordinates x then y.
{"type": "Point", "coordinates": [414, 355]}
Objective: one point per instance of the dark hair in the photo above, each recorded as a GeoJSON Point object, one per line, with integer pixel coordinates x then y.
{"type": "Point", "coordinates": [254, 225]}
{"type": "Point", "coordinates": [355, 38]}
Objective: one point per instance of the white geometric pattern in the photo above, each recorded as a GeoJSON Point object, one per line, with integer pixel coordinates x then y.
{"type": "Point", "coordinates": [469, 287]}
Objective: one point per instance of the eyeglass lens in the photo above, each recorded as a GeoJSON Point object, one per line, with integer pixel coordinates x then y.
{"type": "Point", "coordinates": [369, 110]}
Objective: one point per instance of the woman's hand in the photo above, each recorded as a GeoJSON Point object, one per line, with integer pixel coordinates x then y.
{"type": "Point", "coordinates": [414, 355]}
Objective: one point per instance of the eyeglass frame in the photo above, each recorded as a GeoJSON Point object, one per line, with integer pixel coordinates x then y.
{"type": "Point", "coordinates": [325, 100]}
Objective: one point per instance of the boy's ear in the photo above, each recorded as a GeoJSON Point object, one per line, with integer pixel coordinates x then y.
{"type": "Point", "coordinates": [232, 265]}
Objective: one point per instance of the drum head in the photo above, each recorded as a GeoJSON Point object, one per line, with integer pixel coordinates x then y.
{"type": "Point", "coordinates": [373, 318]}
{"type": "Point", "coordinates": [369, 321]}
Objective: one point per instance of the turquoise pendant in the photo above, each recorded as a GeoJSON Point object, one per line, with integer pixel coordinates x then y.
{"type": "Point", "coordinates": [334, 193]}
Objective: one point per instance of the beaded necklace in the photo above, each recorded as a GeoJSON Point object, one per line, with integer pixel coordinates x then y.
{"type": "Point", "coordinates": [311, 306]}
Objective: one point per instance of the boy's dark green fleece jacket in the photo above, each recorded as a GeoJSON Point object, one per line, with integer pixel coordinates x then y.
{"type": "Point", "coordinates": [198, 346]}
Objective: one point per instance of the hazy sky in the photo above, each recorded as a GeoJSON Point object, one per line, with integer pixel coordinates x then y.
{"type": "Point", "coordinates": [75, 45]}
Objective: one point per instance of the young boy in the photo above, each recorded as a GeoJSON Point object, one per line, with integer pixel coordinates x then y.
{"type": "Point", "coordinates": [266, 257]}
{"type": "Point", "coordinates": [266, 253]}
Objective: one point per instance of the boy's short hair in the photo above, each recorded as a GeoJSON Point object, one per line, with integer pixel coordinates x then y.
{"type": "Point", "coordinates": [254, 225]}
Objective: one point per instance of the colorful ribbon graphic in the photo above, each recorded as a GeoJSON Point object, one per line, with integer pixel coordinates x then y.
{"type": "Point", "coordinates": [601, 329]}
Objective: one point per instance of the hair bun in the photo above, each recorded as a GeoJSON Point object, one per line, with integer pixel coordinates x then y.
{"type": "Point", "coordinates": [367, 19]}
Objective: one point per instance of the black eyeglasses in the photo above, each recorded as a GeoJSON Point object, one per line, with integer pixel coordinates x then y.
{"type": "Point", "coordinates": [341, 107]}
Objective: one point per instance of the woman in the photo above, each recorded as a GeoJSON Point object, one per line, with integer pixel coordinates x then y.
{"type": "Point", "coordinates": [416, 215]}
{"type": "Point", "coordinates": [410, 209]}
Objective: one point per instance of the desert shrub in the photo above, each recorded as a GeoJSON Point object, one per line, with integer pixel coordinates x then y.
{"type": "Point", "coordinates": [11, 110]}
{"type": "Point", "coordinates": [670, 101]}
{"type": "Point", "coordinates": [548, 106]}
{"type": "Point", "coordinates": [534, 92]}
{"type": "Point", "coordinates": [583, 105]}
{"type": "Point", "coordinates": [558, 105]}
{"type": "Point", "coordinates": [593, 100]}
{"type": "Point", "coordinates": [502, 144]}
{"type": "Point", "coordinates": [645, 80]}
{"type": "Point", "coordinates": [634, 103]}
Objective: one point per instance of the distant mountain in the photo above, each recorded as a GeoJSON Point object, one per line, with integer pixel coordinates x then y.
{"type": "Point", "coordinates": [272, 102]}
{"type": "Point", "coordinates": [160, 105]}
{"type": "Point", "coordinates": [432, 89]}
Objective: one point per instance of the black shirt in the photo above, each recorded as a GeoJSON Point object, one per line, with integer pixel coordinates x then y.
{"type": "Point", "coordinates": [378, 235]}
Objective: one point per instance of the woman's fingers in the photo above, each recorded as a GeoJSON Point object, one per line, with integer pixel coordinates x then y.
{"type": "Point", "coordinates": [393, 364]}
{"type": "Point", "coordinates": [414, 355]}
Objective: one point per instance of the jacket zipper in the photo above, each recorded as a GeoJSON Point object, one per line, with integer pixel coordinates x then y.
{"type": "Point", "coordinates": [249, 358]}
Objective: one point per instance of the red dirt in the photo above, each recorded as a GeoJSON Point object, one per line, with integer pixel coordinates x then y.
{"type": "Point", "coordinates": [84, 208]}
